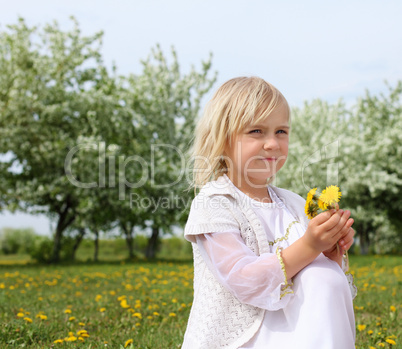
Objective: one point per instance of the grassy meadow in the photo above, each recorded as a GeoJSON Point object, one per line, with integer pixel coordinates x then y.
{"type": "Point", "coordinates": [142, 304]}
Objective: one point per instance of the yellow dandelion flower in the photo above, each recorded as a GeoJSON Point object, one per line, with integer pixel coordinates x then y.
{"type": "Point", "coordinates": [370, 332]}
{"type": "Point", "coordinates": [370, 347]}
{"type": "Point", "coordinates": [71, 318]}
{"type": "Point", "coordinates": [124, 304]}
{"type": "Point", "coordinates": [322, 205]}
{"type": "Point", "coordinates": [98, 298]}
{"type": "Point", "coordinates": [392, 308]}
{"type": "Point", "coordinates": [330, 195]}
{"type": "Point", "coordinates": [128, 342]}
{"type": "Point", "coordinates": [138, 315]}
{"type": "Point", "coordinates": [57, 341]}
{"type": "Point", "coordinates": [27, 319]}
{"type": "Point", "coordinates": [156, 313]}
{"type": "Point", "coordinates": [71, 339]}
{"type": "Point", "coordinates": [172, 314]}
{"type": "Point", "coordinates": [80, 332]}
{"type": "Point", "coordinates": [20, 314]}
{"type": "Point", "coordinates": [382, 345]}
{"type": "Point", "coordinates": [361, 327]}
{"type": "Point", "coordinates": [85, 335]}
{"type": "Point", "coordinates": [81, 339]}
{"type": "Point", "coordinates": [67, 311]}
{"type": "Point", "coordinates": [390, 341]}
{"type": "Point", "coordinates": [310, 194]}
{"type": "Point", "coordinates": [81, 324]}
{"type": "Point", "coordinates": [102, 310]}
{"type": "Point", "coordinates": [311, 209]}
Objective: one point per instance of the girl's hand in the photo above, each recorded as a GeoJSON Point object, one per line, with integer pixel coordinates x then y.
{"type": "Point", "coordinates": [336, 252]}
{"type": "Point", "coordinates": [325, 230]}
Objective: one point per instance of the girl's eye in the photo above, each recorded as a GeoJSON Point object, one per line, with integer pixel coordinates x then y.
{"type": "Point", "coordinates": [255, 131]}
{"type": "Point", "coordinates": [281, 131]}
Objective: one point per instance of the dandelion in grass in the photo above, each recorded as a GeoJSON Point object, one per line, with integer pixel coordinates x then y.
{"type": "Point", "coordinates": [128, 342]}
{"type": "Point", "coordinates": [361, 327]}
{"type": "Point", "coordinates": [390, 341]}
{"type": "Point", "coordinates": [70, 339]}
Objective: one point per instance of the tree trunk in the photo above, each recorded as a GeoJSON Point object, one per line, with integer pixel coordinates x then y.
{"type": "Point", "coordinates": [96, 246]}
{"type": "Point", "coordinates": [152, 243]}
{"type": "Point", "coordinates": [57, 245]}
{"type": "Point", "coordinates": [63, 222]}
{"type": "Point", "coordinates": [128, 232]}
{"type": "Point", "coordinates": [77, 243]}
{"type": "Point", "coordinates": [364, 242]}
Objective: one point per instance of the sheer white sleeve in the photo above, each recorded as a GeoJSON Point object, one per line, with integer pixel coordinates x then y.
{"type": "Point", "coordinates": [256, 280]}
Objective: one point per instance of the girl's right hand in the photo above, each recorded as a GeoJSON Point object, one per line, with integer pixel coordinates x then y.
{"type": "Point", "coordinates": [324, 230]}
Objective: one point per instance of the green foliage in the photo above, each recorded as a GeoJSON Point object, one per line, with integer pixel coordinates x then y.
{"type": "Point", "coordinates": [72, 132]}
{"type": "Point", "coordinates": [359, 148]}
{"type": "Point", "coordinates": [13, 241]}
{"type": "Point", "coordinates": [41, 249]}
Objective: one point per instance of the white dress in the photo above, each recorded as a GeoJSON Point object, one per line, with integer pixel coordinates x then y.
{"type": "Point", "coordinates": [320, 311]}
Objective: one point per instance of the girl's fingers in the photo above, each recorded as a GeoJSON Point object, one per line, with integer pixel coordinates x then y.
{"type": "Point", "coordinates": [323, 217]}
{"type": "Point", "coordinates": [332, 219]}
{"type": "Point", "coordinates": [336, 223]}
{"type": "Point", "coordinates": [346, 228]}
{"type": "Point", "coordinates": [347, 241]}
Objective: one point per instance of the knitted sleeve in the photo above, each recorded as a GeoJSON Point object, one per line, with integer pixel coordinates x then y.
{"type": "Point", "coordinates": [210, 214]}
{"type": "Point", "coordinates": [252, 279]}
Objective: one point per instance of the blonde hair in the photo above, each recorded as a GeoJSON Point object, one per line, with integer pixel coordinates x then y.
{"type": "Point", "coordinates": [238, 103]}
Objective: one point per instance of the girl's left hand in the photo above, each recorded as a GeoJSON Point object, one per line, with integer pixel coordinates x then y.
{"type": "Point", "coordinates": [336, 252]}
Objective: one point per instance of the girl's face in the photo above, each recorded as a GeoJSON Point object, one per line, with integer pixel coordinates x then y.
{"type": "Point", "coordinates": [259, 152]}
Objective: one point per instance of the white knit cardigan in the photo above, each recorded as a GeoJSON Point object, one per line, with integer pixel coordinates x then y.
{"type": "Point", "coordinates": [217, 318]}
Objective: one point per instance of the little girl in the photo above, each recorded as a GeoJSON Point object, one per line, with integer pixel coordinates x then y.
{"type": "Point", "coordinates": [264, 276]}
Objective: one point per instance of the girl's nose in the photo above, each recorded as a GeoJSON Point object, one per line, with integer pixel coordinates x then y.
{"type": "Point", "coordinates": [271, 143]}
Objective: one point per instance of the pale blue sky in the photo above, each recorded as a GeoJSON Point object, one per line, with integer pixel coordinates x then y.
{"type": "Point", "coordinates": [308, 49]}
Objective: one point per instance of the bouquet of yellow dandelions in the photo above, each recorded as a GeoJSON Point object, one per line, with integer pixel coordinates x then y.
{"type": "Point", "coordinates": [327, 200]}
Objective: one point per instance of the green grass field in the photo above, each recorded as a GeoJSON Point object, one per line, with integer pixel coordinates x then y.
{"type": "Point", "coordinates": [146, 305]}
